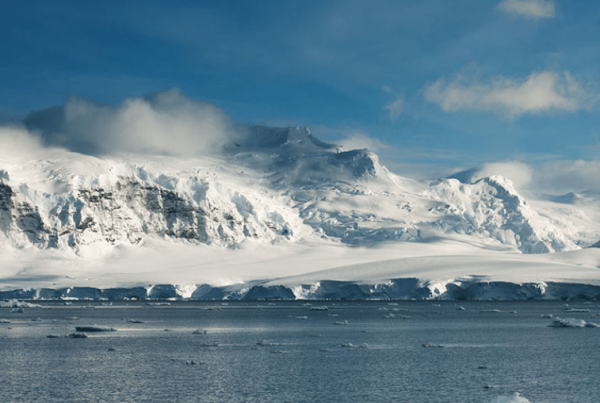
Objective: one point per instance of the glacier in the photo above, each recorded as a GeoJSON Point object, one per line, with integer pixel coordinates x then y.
{"type": "Point", "coordinates": [278, 214]}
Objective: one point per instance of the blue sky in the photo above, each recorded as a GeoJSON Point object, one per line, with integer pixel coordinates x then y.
{"type": "Point", "coordinates": [433, 86]}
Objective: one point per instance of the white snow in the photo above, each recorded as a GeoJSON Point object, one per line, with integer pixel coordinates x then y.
{"type": "Point", "coordinates": [281, 209]}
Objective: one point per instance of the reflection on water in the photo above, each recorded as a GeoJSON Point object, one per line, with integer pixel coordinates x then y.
{"type": "Point", "coordinates": [406, 351]}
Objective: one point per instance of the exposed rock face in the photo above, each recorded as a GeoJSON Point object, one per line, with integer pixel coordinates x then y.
{"type": "Point", "coordinates": [96, 218]}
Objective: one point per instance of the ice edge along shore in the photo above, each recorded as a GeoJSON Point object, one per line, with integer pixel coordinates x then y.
{"type": "Point", "coordinates": [397, 289]}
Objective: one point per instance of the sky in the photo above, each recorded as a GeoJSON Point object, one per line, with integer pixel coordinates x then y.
{"type": "Point", "coordinates": [433, 86]}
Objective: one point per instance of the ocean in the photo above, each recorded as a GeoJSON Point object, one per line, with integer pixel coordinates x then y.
{"type": "Point", "coordinates": [301, 351]}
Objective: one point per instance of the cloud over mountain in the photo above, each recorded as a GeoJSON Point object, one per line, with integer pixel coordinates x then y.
{"type": "Point", "coordinates": [162, 123]}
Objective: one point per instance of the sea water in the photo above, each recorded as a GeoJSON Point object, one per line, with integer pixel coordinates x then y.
{"type": "Point", "coordinates": [291, 352]}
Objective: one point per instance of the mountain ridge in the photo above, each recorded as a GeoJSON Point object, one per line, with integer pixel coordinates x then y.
{"type": "Point", "coordinates": [280, 185]}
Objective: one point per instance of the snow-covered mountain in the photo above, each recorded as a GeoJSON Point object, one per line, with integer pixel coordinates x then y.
{"type": "Point", "coordinates": [278, 185]}
{"type": "Point", "coordinates": [269, 186]}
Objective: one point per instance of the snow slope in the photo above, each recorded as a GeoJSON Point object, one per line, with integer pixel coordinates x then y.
{"type": "Point", "coordinates": [276, 207]}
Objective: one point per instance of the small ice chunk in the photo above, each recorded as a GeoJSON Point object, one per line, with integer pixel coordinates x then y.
{"type": "Point", "coordinates": [345, 322]}
{"type": "Point", "coordinates": [319, 308]}
{"type": "Point", "coordinates": [567, 322]}
{"type": "Point", "coordinates": [432, 345]}
{"type": "Point", "coordinates": [95, 328]}
{"type": "Point", "coordinates": [134, 321]}
{"type": "Point", "coordinates": [78, 336]}
{"type": "Point", "coordinates": [199, 331]}
{"type": "Point", "coordinates": [515, 398]}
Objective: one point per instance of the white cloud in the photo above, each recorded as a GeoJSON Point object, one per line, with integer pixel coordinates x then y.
{"type": "Point", "coordinates": [519, 173]}
{"type": "Point", "coordinates": [359, 140]}
{"type": "Point", "coordinates": [528, 8]}
{"type": "Point", "coordinates": [395, 106]}
{"type": "Point", "coordinates": [553, 177]}
{"type": "Point", "coordinates": [540, 92]}
{"type": "Point", "coordinates": [162, 123]}
{"type": "Point", "coordinates": [17, 144]}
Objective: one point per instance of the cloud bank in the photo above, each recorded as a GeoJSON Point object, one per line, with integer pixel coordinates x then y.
{"type": "Point", "coordinates": [528, 8]}
{"type": "Point", "coordinates": [519, 173]}
{"type": "Point", "coordinates": [541, 92]}
{"type": "Point", "coordinates": [553, 177]}
{"type": "Point", "coordinates": [163, 123]}
{"type": "Point", "coordinates": [17, 144]}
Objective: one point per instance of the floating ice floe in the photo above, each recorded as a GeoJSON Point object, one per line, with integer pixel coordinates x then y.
{"type": "Point", "coordinates": [571, 322]}
{"type": "Point", "coordinates": [199, 331]}
{"type": "Point", "coordinates": [395, 316]}
{"type": "Point", "coordinates": [77, 336]}
{"type": "Point", "coordinates": [319, 308]}
{"type": "Point", "coordinates": [14, 303]}
{"type": "Point", "coordinates": [432, 345]}
{"type": "Point", "coordinates": [341, 323]}
{"type": "Point", "coordinates": [515, 398]}
{"type": "Point", "coordinates": [266, 343]}
{"type": "Point", "coordinates": [95, 328]}
{"type": "Point", "coordinates": [4, 321]}
{"type": "Point", "coordinates": [134, 321]}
